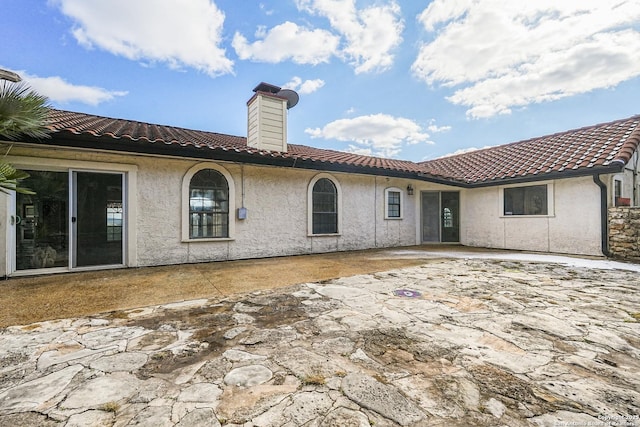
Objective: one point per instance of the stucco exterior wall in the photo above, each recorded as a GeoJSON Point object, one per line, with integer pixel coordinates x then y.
{"type": "Point", "coordinates": [276, 200]}
{"type": "Point", "coordinates": [575, 227]}
{"type": "Point", "coordinates": [572, 226]}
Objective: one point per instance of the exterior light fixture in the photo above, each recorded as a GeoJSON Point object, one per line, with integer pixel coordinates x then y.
{"type": "Point", "coordinates": [410, 190]}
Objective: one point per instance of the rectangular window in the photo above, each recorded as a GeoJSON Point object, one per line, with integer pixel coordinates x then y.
{"type": "Point", "coordinates": [393, 204]}
{"type": "Point", "coordinates": [618, 188]}
{"type": "Point", "coordinates": [325, 223]}
{"type": "Point", "coordinates": [209, 209]}
{"type": "Point", "coordinates": [531, 200]}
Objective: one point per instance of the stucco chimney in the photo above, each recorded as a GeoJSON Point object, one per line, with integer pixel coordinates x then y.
{"type": "Point", "coordinates": [267, 117]}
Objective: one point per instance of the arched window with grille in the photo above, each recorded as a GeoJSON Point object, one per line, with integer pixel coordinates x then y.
{"type": "Point", "coordinates": [325, 207]}
{"type": "Point", "coordinates": [207, 204]}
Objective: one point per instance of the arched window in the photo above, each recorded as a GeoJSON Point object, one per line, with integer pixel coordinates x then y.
{"type": "Point", "coordinates": [208, 205]}
{"type": "Point", "coordinates": [324, 207]}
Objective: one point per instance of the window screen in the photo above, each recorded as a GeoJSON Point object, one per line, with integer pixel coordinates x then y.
{"type": "Point", "coordinates": [325, 207]}
{"type": "Point", "coordinates": [393, 204]}
{"type": "Point", "coordinates": [208, 205]}
{"type": "Point", "coordinates": [531, 200]}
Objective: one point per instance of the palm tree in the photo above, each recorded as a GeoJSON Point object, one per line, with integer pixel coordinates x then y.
{"type": "Point", "coordinates": [10, 178]}
{"type": "Point", "coordinates": [23, 112]}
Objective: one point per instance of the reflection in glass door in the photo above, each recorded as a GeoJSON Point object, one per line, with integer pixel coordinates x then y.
{"type": "Point", "coordinates": [47, 235]}
{"type": "Point", "coordinates": [42, 234]}
{"type": "Point", "coordinates": [450, 207]}
{"type": "Point", "coordinates": [98, 219]}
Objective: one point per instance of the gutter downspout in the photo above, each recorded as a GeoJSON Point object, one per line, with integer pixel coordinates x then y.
{"type": "Point", "coordinates": [635, 191]}
{"type": "Point", "coordinates": [604, 219]}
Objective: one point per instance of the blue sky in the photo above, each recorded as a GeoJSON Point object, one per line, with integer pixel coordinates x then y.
{"type": "Point", "coordinates": [412, 80]}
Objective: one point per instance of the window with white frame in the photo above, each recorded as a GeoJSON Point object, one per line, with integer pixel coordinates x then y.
{"type": "Point", "coordinates": [617, 190]}
{"type": "Point", "coordinates": [324, 201]}
{"type": "Point", "coordinates": [526, 200]}
{"type": "Point", "coordinates": [393, 203]}
{"type": "Point", "coordinates": [207, 203]}
{"type": "Point", "coordinates": [325, 207]}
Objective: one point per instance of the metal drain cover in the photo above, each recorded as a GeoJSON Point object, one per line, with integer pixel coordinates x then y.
{"type": "Point", "coordinates": [408, 293]}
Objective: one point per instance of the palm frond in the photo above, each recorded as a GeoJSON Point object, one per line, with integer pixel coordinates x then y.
{"type": "Point", "coordinates": [23, 112]}
{"type": "Point", "coordinates": [10, 178]}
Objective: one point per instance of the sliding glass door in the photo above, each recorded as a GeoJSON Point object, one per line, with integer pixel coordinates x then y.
{"type": "Point", "coordinates": [97, 219]}
{"type": "Point", "coordinates": [41, 222]}
{"type": "Point", "coordinates": [74, 219]}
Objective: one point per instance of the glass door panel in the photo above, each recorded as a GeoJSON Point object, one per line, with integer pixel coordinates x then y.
{"type": "Point", "coordinates": [450, 216]}
{"type": "Point", "coordinates": [98, 218]}
{"type": "Point", "coordinates": [430, 216]}
{"type": "Point", "coordinates": [42, 234]}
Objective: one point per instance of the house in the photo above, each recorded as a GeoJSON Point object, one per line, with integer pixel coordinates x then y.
{"type": "Point", "coordinates": [118, 193]}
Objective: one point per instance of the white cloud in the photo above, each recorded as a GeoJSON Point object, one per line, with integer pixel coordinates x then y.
{"type": "Point", "coordinates": [266, 11]}
{"type": "Point", "coordinates": [304, 87]}
{"type": "Point", "coordinates": [178, 33]}
{"type": "Point", "coordinates": [287, 41]}
{"type": "Point", "coordinates": [371, 33]}
{"type": "Point", "coordinates": [437, 129]}
{"type": "Point", "coordinates": [464, 151]}
{"type": "Point", "coordinates": [377, 134]}
{"type": "Point", "coordinates": [60, 91]}
{"type": "Point", "coordinates": [359, 150]}
{"type": "Point", "coordinates": [501, 55]}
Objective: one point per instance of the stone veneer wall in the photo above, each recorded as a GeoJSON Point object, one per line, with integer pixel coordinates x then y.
{"type": "Point", "coordinates": [624, 232]}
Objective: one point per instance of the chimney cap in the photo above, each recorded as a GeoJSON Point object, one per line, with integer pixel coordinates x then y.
{"type": "Point", "coordinates": [266, 87]}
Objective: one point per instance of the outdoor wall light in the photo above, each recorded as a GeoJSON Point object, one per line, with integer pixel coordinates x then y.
{"type": "Point", "coordinates": [410, 190]}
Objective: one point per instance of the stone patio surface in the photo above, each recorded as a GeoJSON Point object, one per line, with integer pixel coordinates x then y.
{"type": "Point", "coordinates": [465, 339]}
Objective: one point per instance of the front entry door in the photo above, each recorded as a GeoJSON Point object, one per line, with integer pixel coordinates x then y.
{"type": "Point", "coordinates": [440, 216]}
{"type": "Point", "coordinates": [74, 219]}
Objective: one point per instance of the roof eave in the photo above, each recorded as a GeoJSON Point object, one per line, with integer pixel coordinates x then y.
{"type": "Point", "coordinates": [613, 167]}
{"type": "Point", "coordinates": [109, 144]}
{"type": "Point", "coordinates": [128, 146]}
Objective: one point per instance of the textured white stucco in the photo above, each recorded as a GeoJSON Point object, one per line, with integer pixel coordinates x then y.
{"type": "Point", "coordinates": [276, 200]}
{"type": "Point", "coordinates": [276, 203]}
{"type": "Point", "coordinates": [573, 225]}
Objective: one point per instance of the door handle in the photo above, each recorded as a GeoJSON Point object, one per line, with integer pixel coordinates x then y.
{"type": "Point", "coordinates": [73, 219]}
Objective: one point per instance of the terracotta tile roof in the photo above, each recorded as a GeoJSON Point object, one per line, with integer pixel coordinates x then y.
{"type": "Point", "coordinates": [87, 124]}
{"type": "Point", "coordinates": [64, 122]}
{"type": "Point", "coordinates": [579, 151]}
{"type": "Point", "coordinates": [582, 151]}
{"type": "Point", "coordinates": [332, 156]}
